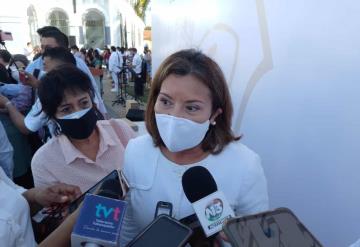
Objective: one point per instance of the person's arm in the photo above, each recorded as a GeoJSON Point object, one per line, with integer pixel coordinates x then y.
{"type": "Point", "coordinates": [48, 196]}
{"type": "Point", "coordinates": [61, 236]}
{"type": "Point", "coordinates": [56, 194]}
{"type": "Point", "coordinates": [16, 117]}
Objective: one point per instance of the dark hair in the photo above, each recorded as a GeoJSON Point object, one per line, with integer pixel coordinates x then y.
{"type": "Point", "coordinates": [97, 54]}
{"type": "Point", "coordinates": [53, 85]}
{"type": "Point", "coordinates": [195, 63]}
{"type": "Point", "coordinates": [20, 58]}
{"type": "Point", "coordinates": [61, 38]}
{"type": "Point", "coordinates": [83, 50]}
{"type": "Point", "coordinates": [60, 54]}
{"type": "Point", "coordinates": [45, 29]}
{"type": "Point", "coordinates": [5, 55]}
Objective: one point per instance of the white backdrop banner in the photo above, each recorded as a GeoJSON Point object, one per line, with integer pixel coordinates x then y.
{"type": "Point", "coordinates": [293, 68]}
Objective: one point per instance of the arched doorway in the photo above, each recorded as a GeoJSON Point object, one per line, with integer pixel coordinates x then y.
{"type": "Point", "coordinates": [94, 23]}
{"type": "Point", "coordinates": [59, 19]}
{"type": "Point", "coordinates": [33, 25]}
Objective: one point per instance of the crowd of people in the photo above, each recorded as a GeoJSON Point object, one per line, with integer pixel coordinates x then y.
{"type": "Point", "coordinates": [55, 130]}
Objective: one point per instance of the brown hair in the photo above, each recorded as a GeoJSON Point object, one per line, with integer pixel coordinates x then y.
{"type": "Point", "coordinates": [197, 64]}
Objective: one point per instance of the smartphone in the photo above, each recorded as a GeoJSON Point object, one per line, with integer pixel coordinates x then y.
{"type": "Point", "coordinates": [36, 73]}
{"type": "Point", "coordinates": [5, 36]}
{"type": "Point", "coordinates": [163, 208]}
{"type": "Point", "coordinates": [120, 191]}
{"type": "Point", "coordinates": [279, 227]}
{"type": "Point", "coordinates": [163, 231]}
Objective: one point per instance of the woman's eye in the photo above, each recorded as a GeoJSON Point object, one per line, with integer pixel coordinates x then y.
{"type": "Point", "coordinates": [65, 110]}
{"type": "Point", "coordinates": [165, 102]}
{"type": "Point", "coordinates": [85, 103]}
{"type": "Point", "coordinates": [192, 108]}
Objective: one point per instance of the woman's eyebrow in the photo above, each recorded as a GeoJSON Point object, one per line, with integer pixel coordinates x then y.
{"type": "Point", "coordinates": [165, 94]}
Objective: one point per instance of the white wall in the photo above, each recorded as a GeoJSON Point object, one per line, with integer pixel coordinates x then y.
{"type": "Point", "coordinates": [294, 73]}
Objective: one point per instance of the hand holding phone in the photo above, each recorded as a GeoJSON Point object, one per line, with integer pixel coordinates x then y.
{"type": "Point", "coordinates": [22, 76]}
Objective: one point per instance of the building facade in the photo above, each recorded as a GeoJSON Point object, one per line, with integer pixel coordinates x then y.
{"type": "Point", "coordinates": [88, 23]}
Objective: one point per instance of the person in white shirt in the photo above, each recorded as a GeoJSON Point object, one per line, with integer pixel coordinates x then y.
{"type": "Point", "coordinates": [29, 51]}
{"type": "Point", "coordinates": [188, 118]}
{"type": "Point", "coordinates": [115, 65]}
{"type": "Point", "coordinates": [136, 66]}
{"type": "Point", "coordinates": [16, 204]}
{"type": "Point", "coordinates": [76, 52]}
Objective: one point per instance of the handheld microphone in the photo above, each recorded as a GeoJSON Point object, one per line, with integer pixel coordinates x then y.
{"type": "Point", "coordinates": [210, 205]}
{"type": "Point", "coordinates": [100, 218]}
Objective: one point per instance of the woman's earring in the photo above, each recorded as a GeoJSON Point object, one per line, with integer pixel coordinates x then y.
{"type": "Point", "coordinates": [213, 123]}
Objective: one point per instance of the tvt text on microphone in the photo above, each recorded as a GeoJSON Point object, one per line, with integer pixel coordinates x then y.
{"type": "Point", "coordinates": [100, 218]}
{"type": "Point", "coordinates": [210, 205]}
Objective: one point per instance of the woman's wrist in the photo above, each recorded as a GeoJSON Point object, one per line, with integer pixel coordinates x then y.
{"type": "Point", "coordinates": [30, 195]}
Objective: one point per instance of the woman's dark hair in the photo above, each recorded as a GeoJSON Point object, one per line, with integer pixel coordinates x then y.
{"type": "Point", "coordinates": [53, 85]}
{"type": "Point", "coordinates": [97, 55]}
{"type": "Point", "coordinates": [20, 58]}
{"type": "Point", "coordinates": [60, 54]}
{"type": "Point", "coordinates": [195, 63]}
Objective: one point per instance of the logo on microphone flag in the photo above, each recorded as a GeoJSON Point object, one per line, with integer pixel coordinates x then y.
{"type": "Point", "coordinates": [214, 209]}
{"type": "Point", "coordinates": [212, 212]}
{"type": "Point", "coordinates": [100, 220]}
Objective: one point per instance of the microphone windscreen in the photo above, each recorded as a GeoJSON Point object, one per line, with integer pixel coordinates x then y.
{"type": "Point", "coordinates": [110, 188]}
{"type": "Point", "coordinates": [197, 183]}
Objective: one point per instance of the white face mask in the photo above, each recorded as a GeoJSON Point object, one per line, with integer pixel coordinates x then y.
{"type": "Point", "coordinates": [76, 115]}
{"type": "Point", "coordinates": [179, 134]}
{"type": "Point", "coordinates": [15, 75]}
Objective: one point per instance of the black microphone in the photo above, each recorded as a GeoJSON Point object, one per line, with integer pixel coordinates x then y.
{"type": "Point", "coordinates": [210, 205]}
{"type": "Point", "coordinates": [198, 183]}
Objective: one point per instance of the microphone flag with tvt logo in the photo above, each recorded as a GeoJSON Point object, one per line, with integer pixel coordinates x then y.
{"type": "Point", "coordinates": [99, 221]}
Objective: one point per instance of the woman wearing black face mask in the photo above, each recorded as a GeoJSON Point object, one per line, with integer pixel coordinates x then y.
{"type": "Point", "coordinates": [85, 148]}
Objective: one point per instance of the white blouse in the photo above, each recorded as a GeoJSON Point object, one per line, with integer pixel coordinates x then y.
{"type": "Point", "coordinates": [15, 222]}
{"type": "Point", "coordinates": [152, 178]}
